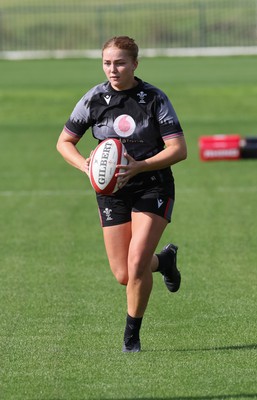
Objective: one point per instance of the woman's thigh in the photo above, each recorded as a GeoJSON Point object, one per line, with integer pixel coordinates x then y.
{"type": "Point", "coordinates": [117, 241]}
{"type": "Point", "coordinates": [130, 246]}
{"type": "Point", "coordinates": [147, 229]}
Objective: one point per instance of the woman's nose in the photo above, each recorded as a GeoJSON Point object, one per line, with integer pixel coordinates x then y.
{"type": "Point", "coordinates": [113, 67]}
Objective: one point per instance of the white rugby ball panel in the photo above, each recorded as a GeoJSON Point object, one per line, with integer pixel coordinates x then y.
{"type": "Point", "coordinates": [103, 165]}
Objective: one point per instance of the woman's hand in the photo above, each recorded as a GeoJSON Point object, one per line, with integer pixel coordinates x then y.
{"type": "Point", "coordinates": [127, 171]}
{"type": "Point", "coordinates": [87, 164]}
{"type": "Point", "coordinates": [175, 151]}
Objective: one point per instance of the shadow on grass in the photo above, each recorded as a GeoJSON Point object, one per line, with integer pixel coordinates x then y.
{"type": "Point", "coordinates": [218, 397]}
{"type": "Point", "coordinates": [215, 348]}
{"type": "Point", "coordinates": [232, 347]}
{"type": "Point", "coordinates": [210, 397]}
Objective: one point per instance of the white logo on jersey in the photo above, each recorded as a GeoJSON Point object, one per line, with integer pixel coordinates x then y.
{"type": "Point", "coordinates": [124, 125]}
{"type": "Point", "coordinates": [107, 98]}
{"type": "Point", "coordinates": [141, 96]}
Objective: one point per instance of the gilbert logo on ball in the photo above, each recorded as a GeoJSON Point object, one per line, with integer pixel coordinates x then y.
{"type": "Point", "coordinates": [124, 125]}
{"type": "Point", "coordinates": [103, 165]}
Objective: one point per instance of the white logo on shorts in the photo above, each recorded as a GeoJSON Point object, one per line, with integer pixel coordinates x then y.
{"type": "Point", "coordinates": [108, 212]}
{"type": "Point", "coordinates": [160, 202]}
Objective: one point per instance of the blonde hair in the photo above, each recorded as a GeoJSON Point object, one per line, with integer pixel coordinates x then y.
{"type": "Point", "coordinates": [123, 43]}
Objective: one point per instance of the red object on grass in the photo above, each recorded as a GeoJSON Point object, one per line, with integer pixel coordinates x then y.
{"type": "Point", "coordinates": [219, 147]}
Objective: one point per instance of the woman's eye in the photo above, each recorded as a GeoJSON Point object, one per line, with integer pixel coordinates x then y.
{"type": "Point", "coordinates": [118, 64]}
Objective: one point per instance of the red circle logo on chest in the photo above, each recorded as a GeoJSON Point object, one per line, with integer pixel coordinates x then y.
{"type": "Point", "coordinates": [124, 125]}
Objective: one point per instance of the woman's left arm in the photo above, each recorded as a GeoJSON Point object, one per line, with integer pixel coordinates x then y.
{"type": "Point", "coordinates": [175, 150]}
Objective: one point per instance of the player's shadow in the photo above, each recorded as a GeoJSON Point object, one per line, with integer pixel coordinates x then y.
{"type": "Point", "coordinates": [217, 397]}
{"type": "Point", "coordinates": [231, 347]}
{"type": "Point", "coordinates": [251, 346]}
{"type": "Point", "coordinates": [210, 397]}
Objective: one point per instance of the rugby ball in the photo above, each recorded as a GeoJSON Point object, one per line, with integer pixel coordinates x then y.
{"type": "Point", "coordinates": [103, 165]}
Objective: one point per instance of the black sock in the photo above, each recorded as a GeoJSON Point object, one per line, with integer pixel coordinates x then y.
{"type": "Point", "coordinates": [133, 326]}
{"type": "Point", "coordinates": [164, 262]}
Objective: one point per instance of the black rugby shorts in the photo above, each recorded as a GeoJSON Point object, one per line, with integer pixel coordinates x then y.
{"type": "Point", "coordinates": [116, 209]}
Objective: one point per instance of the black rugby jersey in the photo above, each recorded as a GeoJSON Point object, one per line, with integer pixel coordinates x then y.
{"type": "Point", "coordinates": [141, 117]}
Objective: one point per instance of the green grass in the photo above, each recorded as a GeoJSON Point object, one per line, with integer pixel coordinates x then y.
{"type": "Point", "coordinates": [62, 312]}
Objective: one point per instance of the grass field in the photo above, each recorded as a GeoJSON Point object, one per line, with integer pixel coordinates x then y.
{"type": "Point", "coordinates": [62, 313]}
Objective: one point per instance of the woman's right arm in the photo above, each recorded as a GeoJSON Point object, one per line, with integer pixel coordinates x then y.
{"type": "Point", "coordinates": [66, 146]}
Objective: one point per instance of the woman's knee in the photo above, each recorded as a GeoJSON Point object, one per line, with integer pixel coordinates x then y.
{"type": "Point", "coordinates": [122, 279]}
{"type": "Point", "coordinates": [120, 274]}
{"type": "Point", "coordinates": [138, 266]}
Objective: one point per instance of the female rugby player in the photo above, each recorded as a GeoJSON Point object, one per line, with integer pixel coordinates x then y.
{"type": "Point", "coordinates": [142, 117]}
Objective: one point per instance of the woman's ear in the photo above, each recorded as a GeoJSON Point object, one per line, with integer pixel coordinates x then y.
{"type": "Point", "coordinates": [135, 65]}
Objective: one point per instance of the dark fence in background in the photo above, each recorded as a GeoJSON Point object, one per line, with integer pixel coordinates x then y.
{"type": "Point", "coordinates": [84, 25]}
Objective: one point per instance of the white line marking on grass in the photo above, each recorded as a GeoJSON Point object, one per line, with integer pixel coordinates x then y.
{"type": "Point", "coordinates": [219, 189]}
{"type": "Point", "coordinates": [45, 193]}
{"type": "Point", "coordinates": [89, 192]}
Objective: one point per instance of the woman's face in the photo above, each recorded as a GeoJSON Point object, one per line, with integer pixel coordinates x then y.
{"type": "Point", "coordinates": [119, 68]}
